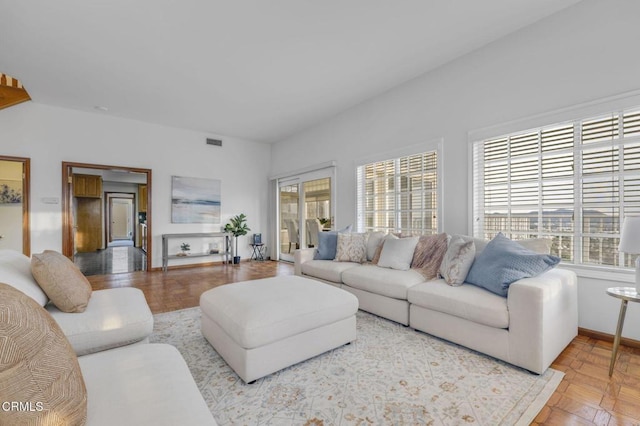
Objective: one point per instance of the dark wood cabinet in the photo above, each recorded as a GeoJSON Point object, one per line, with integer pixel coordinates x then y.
{"type": "Point", "coordinates": [87, 186]}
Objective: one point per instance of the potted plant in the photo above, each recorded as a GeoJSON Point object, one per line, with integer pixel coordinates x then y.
{"type": "Point", "coordinates": [185, 248]}
{"type": "Point", "coordinates": [237, 227]}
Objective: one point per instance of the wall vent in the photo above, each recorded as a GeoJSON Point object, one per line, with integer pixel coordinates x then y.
{"type": "Point", "coordinates": [216, 142]}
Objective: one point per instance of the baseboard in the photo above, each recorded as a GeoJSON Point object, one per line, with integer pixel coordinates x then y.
{"type": "Point", "coordinates": [608, 337]}
{"type": "Point", "coordinates": [200, 265]}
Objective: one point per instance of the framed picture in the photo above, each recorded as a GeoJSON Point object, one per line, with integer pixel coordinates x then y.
{"type": "Point", "coordinates": [10, 191]}
{"type": "Point", "coordinates": [195, 200]}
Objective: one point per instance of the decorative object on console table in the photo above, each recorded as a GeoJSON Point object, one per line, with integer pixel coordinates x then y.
{"type": "Point", "coordinates": [237, 227]}
{"type": "Point", "coordinates": [630, 242]}
{"type": "Point", "coordinates": [185, 249]}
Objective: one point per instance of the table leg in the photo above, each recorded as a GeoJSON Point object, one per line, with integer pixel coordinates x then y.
{"type": "Point", "coordinates": [616, 340]}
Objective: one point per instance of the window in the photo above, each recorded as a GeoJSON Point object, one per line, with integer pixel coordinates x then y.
{"type": "Point", "coordinates": [573, 182]}
{"type": "Point", "coordinates": [399, 195]}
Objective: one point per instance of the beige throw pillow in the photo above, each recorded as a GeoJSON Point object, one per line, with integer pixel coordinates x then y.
{"type": "Point", "coordinates": [63, 282]}
{"type": "Point", "coordinates": [428, 255]}
{"type": "Point", "coordinates": [38, 367]}
{"type": "Point", "coordinates": [538, 245]}
{"type": "Point", "coordinates": [351, 247]}
{"type": "Point", "coordinates": [457, 261]}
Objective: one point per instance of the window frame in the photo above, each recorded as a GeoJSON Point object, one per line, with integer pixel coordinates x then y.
{"type": "Point", "coordinates": [434, 146]}
{"type": "Point", "coordinates": [621, 104]}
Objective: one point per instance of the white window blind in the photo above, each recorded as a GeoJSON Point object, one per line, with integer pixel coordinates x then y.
{"type": "Point", "coordinates": [572, 182]}
{"type": "Point", "coordinates": [399, 195]}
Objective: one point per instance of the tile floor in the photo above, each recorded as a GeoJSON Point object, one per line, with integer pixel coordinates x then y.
{"type": "Point", "coordinates": [112, 260]}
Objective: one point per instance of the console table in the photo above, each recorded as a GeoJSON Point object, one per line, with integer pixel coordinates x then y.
{"type": "Point", "coordinates": [225, 252]}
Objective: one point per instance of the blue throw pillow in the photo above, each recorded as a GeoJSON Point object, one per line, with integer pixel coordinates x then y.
{"type": "Point", "coordinates": [327, 243]}
{"type": "Point", "coordinates": [504, 261]}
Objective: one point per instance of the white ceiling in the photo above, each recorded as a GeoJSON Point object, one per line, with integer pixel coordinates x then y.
{"type": "Point", "coordinates": [256, 69]}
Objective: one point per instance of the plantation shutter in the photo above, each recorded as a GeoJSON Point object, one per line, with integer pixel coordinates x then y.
{"type": "Point", "coordinates": [399, 195]}
{"type": "Point", "coordinates": [573, 182]}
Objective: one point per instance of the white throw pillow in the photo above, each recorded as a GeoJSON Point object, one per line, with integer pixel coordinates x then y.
{"type": "Point", "coordinates": [373, 241]}
{"type": "Point", "coordinates": [457, 261]}
{"type": "Point", "coordinates": [398, 254]}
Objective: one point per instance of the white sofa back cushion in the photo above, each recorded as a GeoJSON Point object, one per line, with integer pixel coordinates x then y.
{"type": "Point", "coordinates": [15, 270]}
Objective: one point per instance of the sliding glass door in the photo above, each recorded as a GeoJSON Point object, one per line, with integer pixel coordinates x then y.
{"type": "Point", "coordinates": [289, 220]}
{"type": "Point", "coordinates": [306, 207]}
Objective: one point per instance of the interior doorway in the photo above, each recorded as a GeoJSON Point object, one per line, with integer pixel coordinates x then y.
{"type": "Point", "coordinates": [15, 229]}
{"type": "Point", "coordinates": [120, 220]}
{"type": "Point", "coordinates": [80, 185]}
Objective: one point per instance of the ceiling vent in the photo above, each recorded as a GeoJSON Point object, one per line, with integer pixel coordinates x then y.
{"type": "Point", "coordinates": [215, 142]}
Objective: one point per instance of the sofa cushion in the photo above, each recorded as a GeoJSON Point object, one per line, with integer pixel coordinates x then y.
{"type": "Point", "coordinates": [383, 281]}
{"type": "Point", "coordinates": [114, 317]}
{"type": "Point", "coordinates": [142, 385]}
{"type": "Point", "coordinates": [15, 270]}
{"type": "Point", "coordinates": [352, 247]}
{"type": "Point", "coordinates": [457, 260]}
{"type": "Point", "coordinates": [327, 270]}
{"type": "Point", "coordinates": [428, 254]}
{"type": "Point", "coordinates": [37, 365]}
{"type": "Point", "coordinates": [503, 262]}
{"type": "Point", "coordinates": [398, 253]}
{"type": "Point", "coordinates": [467, 301]}
{"type": "Point", "coordinates": [63, 282]}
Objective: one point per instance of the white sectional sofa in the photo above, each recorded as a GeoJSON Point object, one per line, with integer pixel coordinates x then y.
{"type": "Point", "coordinates": [128, 381]}
{"type": "Point", "coordinates": [114, 317]}
{"type": "Point", "coordinates": [528, 328]}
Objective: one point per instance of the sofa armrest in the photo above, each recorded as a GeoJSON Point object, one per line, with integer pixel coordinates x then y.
{"type": "Point", "coordinates": [543, 318]}
{"type": "Point", "coordinates": [301, 256]}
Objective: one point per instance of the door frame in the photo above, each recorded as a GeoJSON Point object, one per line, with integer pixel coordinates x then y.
{"type": "Point", "coordinates": [26, 196]}
{"type": "Point", "coordinates": [108, 206]}
{"type": "Point", "coordinates": [327, 170]}
{"type": "Point", "coordinates": [67, 203]}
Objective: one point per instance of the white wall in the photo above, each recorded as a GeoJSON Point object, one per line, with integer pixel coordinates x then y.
{"type": "Point", "coordinates": [50, 135]}
{"type": "Point", "coordinates": [581, 54]}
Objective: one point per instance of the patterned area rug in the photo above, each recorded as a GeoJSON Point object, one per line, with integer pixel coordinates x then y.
{"type": "Point", "coordinates": [391, 375]}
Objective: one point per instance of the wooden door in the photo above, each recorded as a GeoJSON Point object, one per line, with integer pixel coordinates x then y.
{"type": "Point", "coordinates": [121, 214]}
{"type": "Point", "coordinates": [88, 236]}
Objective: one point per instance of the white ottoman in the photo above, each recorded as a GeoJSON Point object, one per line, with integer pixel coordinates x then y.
{"type": "Point", "coordinates": [262, 326]}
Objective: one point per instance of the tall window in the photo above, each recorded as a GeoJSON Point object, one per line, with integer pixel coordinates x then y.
{"type": "Point", "coordinates": [573, 182]}
{"type": "Point", "coordinates": [399, 195]}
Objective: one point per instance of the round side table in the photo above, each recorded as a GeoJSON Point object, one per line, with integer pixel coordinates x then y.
{"type": "Point", "coordinates": [626, 294]}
